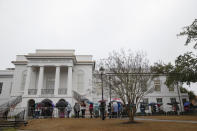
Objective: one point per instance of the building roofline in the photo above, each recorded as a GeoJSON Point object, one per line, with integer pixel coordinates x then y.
{"type": "Point", "coordinates": [19, 62]}
{"type": "Point", "coordinates": [49, 55]}
{"type": "Point", "coordinates": [55, 50]}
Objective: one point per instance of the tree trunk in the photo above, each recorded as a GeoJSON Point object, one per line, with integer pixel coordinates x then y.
{"type": "Point", "coordinates": [131, 117]}
{"type": "Point", "coordinates": [131, 113]}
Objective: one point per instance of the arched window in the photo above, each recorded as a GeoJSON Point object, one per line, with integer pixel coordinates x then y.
{"type": "Point", "coordinates": [31, 107]}
{"type": "Point", "coordinates": [80, 81]}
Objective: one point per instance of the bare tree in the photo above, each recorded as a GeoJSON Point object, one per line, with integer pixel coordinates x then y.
{"type": "Point", "coordinates": [130, 77]}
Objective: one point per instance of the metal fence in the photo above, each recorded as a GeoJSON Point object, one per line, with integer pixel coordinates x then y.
{"type": "Point", "coordinates": [19, 114]}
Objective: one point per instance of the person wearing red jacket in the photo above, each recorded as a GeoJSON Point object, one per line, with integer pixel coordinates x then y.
{"type": "Point", "coordinates": [91, 109]}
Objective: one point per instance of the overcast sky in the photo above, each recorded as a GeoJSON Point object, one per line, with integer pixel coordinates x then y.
{"type": "Point", "coordinates": [95, 27]}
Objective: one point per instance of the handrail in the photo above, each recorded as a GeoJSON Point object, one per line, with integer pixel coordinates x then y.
{"type": "Point", "coordinates": [6, 106]}
{"type": "Point", "coordinates": [79, 97]}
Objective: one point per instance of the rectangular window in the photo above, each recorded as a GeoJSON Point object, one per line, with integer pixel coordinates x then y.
{"type": "Point", "coordinates": [145, 101]}
{"type": "Point", "coordinates": [157, 85]}
{"type": "Point", "coordinates": [1, 86]}
{"type": "Point", "coordinates": [173, 100]}
{"type": "Point", "coordinates": [159, 100]}
{"type": "Point", "coordinates": [171, 88]}
{"type": "Point", "coordinates": [50, 83]}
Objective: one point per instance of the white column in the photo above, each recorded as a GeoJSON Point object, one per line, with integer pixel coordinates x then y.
{"type": "Point", "coordinates": [28, 80]}
{"type": "Point", "coordinates": [57, 80]}
{"type": "Point", "coordinates": [69, 81]}
{"type": "Point", "coordinates": [40, 80]}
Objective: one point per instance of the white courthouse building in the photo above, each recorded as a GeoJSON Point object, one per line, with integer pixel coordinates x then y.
{"type": "Point", "coordinates": [53, 75]}
{"type": "Point", "coordinates": [47, 75]}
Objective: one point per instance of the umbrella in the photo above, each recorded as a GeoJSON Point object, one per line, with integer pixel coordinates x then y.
{"type": "Point", "coordinates": [53, 105]}
{"type": "Point", "coordinates": [152, 104]}
{"type": "Point", "coordinates": [102, 101]}
{"type": "Point", "coordinates": [61, 104]}
{"type": "Point", "coordinates": [96, 104]}
{"type": "Point", "coordinates": [84, 99]}
{"type": "Point", "coordinates": [144, 104]}
{"type": "Point", "coordinates": [173, 103]}
{"type": "Point", "coordinates": [186, 103]}
{"type": "Point", "coordinates": [89, 102]}
{"type": "Point", "coordinates": [113, 101]}
{"type": "Point", "coordinates": [116, 100]}
{"type": "Point", "coordinates": [39, 105]}
{"type": "Point", "coordinates": [169, 104]}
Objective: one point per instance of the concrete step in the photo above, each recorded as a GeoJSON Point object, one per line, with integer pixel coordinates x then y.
{"type": "Point", "coordinates": [12, 123]}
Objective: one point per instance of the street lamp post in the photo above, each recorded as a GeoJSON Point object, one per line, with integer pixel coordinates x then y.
{"type": "Point", "coordinates": [110, 95]}
{"type": "Point", "coordinates": [102, 101]}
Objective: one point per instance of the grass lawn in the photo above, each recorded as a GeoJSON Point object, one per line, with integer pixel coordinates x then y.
{"type": "Point", "coordinates": [9, 129]}
{"type": "Point", "coordinates": [61, 124]}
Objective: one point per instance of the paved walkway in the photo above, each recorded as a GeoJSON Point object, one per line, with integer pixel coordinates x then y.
{"type": "Point", "coordinates": [179, 121]}
{"type": "Point", "coordinates": [24, 130]}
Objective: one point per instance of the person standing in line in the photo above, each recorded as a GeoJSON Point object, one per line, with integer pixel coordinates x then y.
{"type": "Point", "coordinates": [109, 110]}
{"type": "Point", "coordinates": [115, 106]}
{"type": "Point", "coordinates": [68, 110]}
{"type": "Point", "coordinates": [102, 109]}
{"type": "Point", "coordinates": [76, 110]}
{"type": "Point", "coordinates": [119, 109]}
{"type": "Point", "coordinates": [91, 109]}
{"type": "Point", "coordinates": [112, 110]}
{"type": "Point", "coordinates": [83, 109]}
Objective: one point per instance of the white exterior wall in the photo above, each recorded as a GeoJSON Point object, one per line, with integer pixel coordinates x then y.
{"type": "Point", "coordinates": [6, 88]}
{"type": "Point", "coordinates": [17, 80]}
{"type": "Point", "coordinates": [165, 94]}
{"type": "Point", "coordinates": [84, 57]}
{"type": "Point", "coordinates": [87, 87]}
{"type": "Point", "coordinates": [164, 89]}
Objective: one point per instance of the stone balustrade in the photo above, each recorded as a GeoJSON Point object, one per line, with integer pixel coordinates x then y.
{"type": "Point", "coordinates": [47, 91]}
{"type": "Point", "coordinates": [62, 91]}
{"type": "Point", "coordinates": [32, 91]}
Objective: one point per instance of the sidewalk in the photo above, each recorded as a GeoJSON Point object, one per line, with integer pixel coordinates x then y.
{"type": "Point", "coordinates": [179, 121]}
{"type": "Point", "coordinates": [24, 130]}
